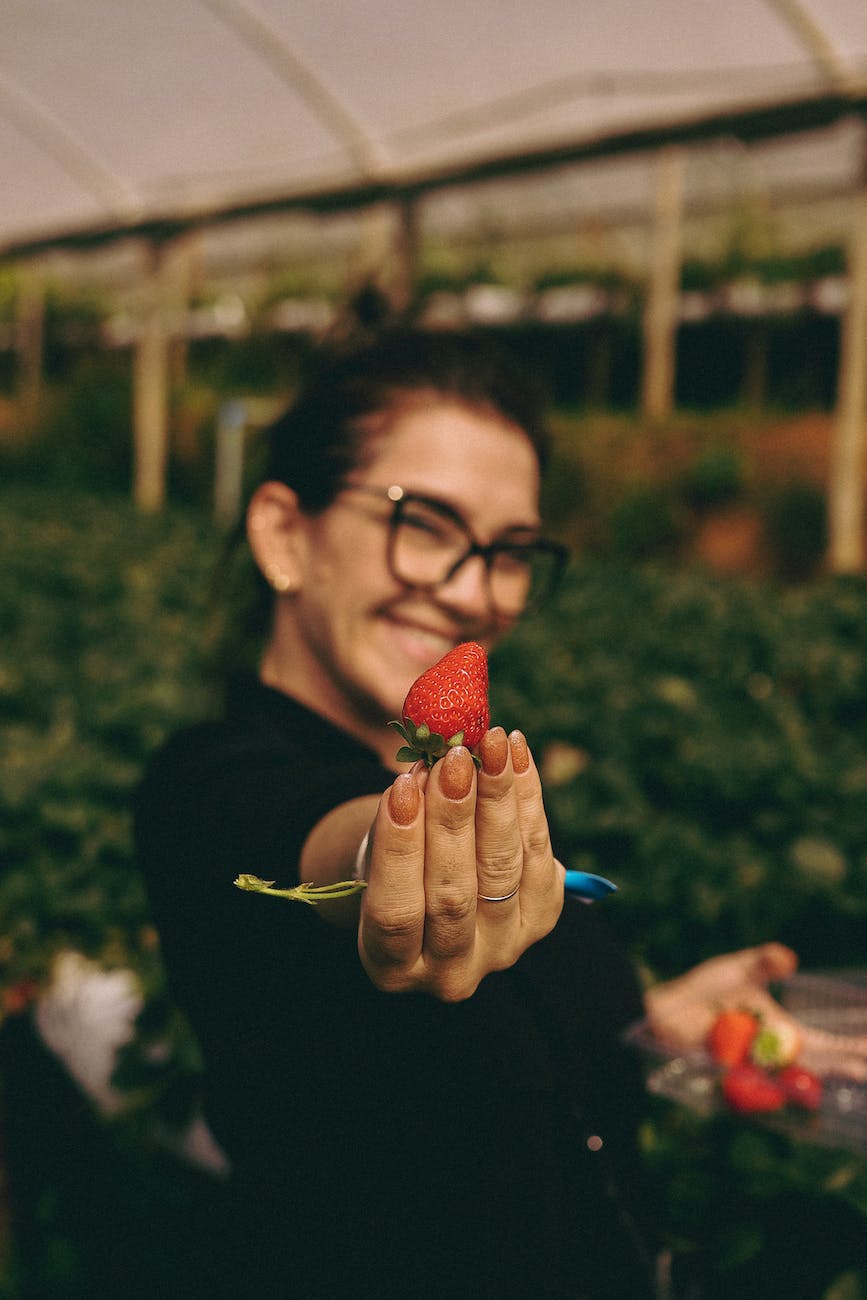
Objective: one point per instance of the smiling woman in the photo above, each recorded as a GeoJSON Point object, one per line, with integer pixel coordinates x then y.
{"type": "Point", "coordinates": [435, 1080]}
{"type": "Point", "coordinates": [363, 617]}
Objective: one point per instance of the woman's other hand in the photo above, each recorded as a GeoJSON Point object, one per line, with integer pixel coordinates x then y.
{"type": "Point", "coordinates": [681, 1011]}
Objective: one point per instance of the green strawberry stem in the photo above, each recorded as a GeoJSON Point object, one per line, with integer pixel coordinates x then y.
{"type": "Point", "coordinates": [421, 742]}
{"type": "Point", "coordinates": [311, 894]}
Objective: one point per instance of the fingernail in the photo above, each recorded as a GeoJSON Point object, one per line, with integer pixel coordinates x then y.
{"type": "Point", "coordinates": [520, 752]}
{"type": "Point", "coordinates": [586, 885]}
{"type": "Point", "coordinates": [403, 800]}
{"type": "Point", "coordinates": [493, 751]}
{"type": "Point", "coordinates": [456, 773]}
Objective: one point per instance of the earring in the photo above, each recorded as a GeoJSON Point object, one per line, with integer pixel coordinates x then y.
{"type": "Point", "coordinates": [280, 581]}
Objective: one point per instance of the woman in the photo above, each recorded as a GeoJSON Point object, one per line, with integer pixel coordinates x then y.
{"type": "Point", "coordinates": [424, 1093]}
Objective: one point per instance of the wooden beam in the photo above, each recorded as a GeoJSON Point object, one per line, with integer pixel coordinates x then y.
{"type": "Point", "coordinates": [30, 341]}
{"type": "Point", "coordinates": [406, 254]}
{"type": "Point", "coordinates": [150, 389]}
{"type": "Point", "coordinates": [663, 287]}
{"type": "Point", "coordinates": [846, 487]}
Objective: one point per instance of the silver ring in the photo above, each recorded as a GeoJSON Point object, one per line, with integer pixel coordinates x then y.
{"type": "Point", "coordinates": [503, 898]}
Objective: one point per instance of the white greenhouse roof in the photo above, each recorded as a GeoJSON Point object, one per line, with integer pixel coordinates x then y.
{"type": "Point", "coordinates": [120, 115]}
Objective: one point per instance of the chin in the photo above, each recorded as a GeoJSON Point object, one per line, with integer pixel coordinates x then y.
{"type": "Point", "coordinates": [390, 679]}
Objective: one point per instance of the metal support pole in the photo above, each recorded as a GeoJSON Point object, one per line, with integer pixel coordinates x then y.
{"type": "Point", "coordinates": [229, 467]}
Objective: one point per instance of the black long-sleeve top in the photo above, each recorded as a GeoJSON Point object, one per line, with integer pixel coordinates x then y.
{"type": "Point", "coordinates": [383, 1145]}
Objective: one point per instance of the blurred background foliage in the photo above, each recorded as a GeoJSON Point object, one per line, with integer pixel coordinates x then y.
{"type": "Point", "coordinates": [703, 742]}
{"type": "Point", "coordinates": [696, 697]}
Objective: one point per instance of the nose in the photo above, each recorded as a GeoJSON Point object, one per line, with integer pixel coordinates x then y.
{"type": "Point", "coordinates": [467, 590]}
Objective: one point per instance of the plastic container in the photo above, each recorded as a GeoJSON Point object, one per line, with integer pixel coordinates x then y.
{"type": "Point", "coordinates": [832, 1006]}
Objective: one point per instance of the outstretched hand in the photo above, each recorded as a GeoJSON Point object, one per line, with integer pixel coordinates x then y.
{"type": "Point", "coordinates": [461, 878]}
{"type": "Point", "coordinates": [680, 1013]}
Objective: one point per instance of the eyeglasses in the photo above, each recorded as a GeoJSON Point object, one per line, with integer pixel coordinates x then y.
{"type": "Point", "coordinates": [428, 542]}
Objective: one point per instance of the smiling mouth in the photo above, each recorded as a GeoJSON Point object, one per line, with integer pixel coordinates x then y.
{"type": "Point", "coordinates": [424, 643]}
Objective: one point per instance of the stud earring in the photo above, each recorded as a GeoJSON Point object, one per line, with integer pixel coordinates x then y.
{"type": "Point", "coordinates": [280, 581]}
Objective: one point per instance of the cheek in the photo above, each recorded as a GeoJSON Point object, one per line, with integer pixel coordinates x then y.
{"type": "Point", "coordinates": [326, 565]}
{"type": "Point", "coordinates": [343, 582]}
{"type": "Point", "coordinates": [338, 553]}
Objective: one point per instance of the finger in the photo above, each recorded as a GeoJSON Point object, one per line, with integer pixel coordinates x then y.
{"type": "Point", "coordinates": [542, 876]}
{"type": "Point", "coordinates": [760, 1002]}
{"type": "Point", "coordinates": [450, 880]}
{"type": "Point", "coordinates": [421, 772]}
{"type": "Point", "coordinates": [499, 851]}
{"type": "Point", "coordinates": [391, 929]}
{"type": "Point", "coordinates": [773, 961]}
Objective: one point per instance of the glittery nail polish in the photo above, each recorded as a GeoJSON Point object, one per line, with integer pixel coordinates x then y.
{"type": "Point", "coordinates": [520, 752]}
{"type": "Point", "coordinates": [403, 800]}
{"type": "Point", "coordinates": [494, 751]}
{"type": "Point", "coordinates": [456, 773]}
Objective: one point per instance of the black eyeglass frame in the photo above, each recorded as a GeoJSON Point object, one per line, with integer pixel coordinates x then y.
{"type": "Point", "coordinates": [400, 498]}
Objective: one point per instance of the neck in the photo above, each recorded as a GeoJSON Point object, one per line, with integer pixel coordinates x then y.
{"type": "Point", "coordinates": [282, 667]}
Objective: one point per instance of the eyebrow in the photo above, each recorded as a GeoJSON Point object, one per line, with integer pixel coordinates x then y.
{"type": "Point", "coordinates": [532, 531]}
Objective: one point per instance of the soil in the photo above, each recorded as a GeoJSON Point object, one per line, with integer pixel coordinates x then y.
{"type": "Point", "coordinates": [797, 449]}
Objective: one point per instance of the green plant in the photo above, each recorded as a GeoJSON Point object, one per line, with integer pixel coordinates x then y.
{"type": "Point", "coordinates": [716, 478]}
{"type": "Point", "coordinates": [702, 743]}
{"type": "Point", "coordinates": [646, 522]}
{"type": "Point", "coordinates": [82, 435]}
{"type": "Point", "coordinates": [796, 529]}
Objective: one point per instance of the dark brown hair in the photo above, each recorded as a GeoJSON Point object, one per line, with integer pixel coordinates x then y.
{"type": "Point", "coordinates": [321, 438]}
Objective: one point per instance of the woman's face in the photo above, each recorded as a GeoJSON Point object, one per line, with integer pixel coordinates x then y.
{"type": "Point", "coordinates": [360, 635]}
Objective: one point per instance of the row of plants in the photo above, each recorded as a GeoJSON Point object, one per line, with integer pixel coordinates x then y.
{"type": "Point", "coordinates": [703, 742]}
{"type": "Point", "coordinates": [706, 743]}
{"type": "Point", "coordinates": [617, 487]}
{"type": "Point", "coordinates": [100, 614]}
{"type": "Point", "coordinates": [708, 273]}
{"type": "Point", "coordinates": [79, 308]}
{"type": "Point", "coordinates": [632, 493]}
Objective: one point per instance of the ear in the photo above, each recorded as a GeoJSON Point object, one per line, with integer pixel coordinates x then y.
{"type": "Point", "coordinates": [276, 535]}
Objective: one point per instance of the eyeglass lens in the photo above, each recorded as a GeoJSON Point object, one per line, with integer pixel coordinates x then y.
{"type": "Point", "coordinates": [428, 546]}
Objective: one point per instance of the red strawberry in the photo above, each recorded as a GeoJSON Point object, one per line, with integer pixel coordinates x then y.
{"type": "Point", "coordinates": [802, 1087]}
{"type": "Point", "coordinates": [17, 997]}
{"type": "Point", "coordinates": [446, 706]}
{"type": "Point", "coordinates": [731, 1036]}
{"type": "Point", "coordinates": [750, 1090]}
